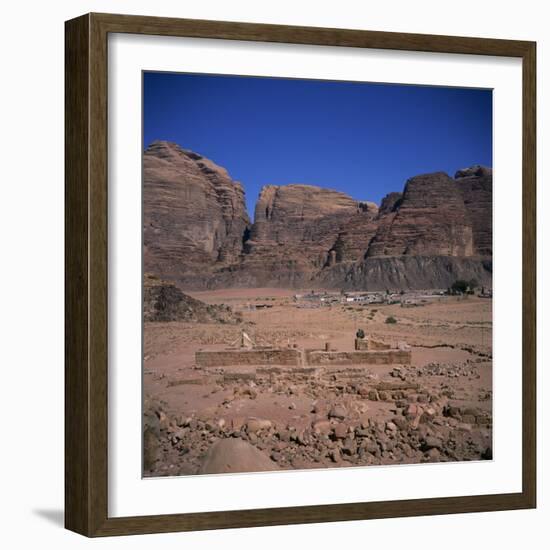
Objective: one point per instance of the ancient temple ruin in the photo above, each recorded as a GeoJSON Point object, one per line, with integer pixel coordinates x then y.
{"type": "Point", "coordinates": [244, 352]}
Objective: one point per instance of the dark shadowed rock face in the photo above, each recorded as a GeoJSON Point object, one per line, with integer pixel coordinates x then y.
{"type": "Point", "coordinates": [197, 232]}
{"type": "Point", "coordinates": [474, 171]}
{"type": "Point", "coordinates": [194, 214]}
{"type": "Point", "coordinates": [390, 202]}
{"type": "Point", "coordinates": [164, 301]}
{"type": "Point", "coordinates": [406, 272]}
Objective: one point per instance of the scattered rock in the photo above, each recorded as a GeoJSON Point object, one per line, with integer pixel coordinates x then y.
{"type": "Point", "coordinates": [431, 442]}
{"type": "Point", "coordinates": [338, 411]}
{"type": "Point", "coordinates": [254, 425]}
{"type": "Point", "coordinates": [340, 431]}
{"type": "Point", "coordinates": [322, 427]}
{"type": "Point", "coordinates": [151, 449]}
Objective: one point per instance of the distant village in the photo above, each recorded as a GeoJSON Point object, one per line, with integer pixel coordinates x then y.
{"type": "Point", "coordinates": [318, 299]}
{"type": "Point", "coordinates": [404, 298]}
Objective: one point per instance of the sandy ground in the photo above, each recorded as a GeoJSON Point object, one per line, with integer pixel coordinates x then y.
{"type": "Point", "coordinates": [451, 360]}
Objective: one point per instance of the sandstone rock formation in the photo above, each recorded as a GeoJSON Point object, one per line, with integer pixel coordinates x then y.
{"type": "Point", "coordinates": [197, 231]}
{"type": "Point", "coordinates": [476, 185]}
{"type": "Point", "coordinates": [430, 220]}
{"type": "Point", "coordinates": [194, 214]}
{"type": "Point", "coordinates": [390, 202]}
{"type": "Point", "coordinates": [295, 229]}
{"type": "Point", "coordinates": [355, 235]}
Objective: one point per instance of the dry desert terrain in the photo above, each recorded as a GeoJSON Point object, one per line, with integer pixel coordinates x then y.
{"type": "Point", "coordinates": [200, 420]}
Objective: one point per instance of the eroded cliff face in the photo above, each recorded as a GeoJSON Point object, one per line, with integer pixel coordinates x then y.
{"type": "Point", "coordinates": [295, 227]}
{"type": "Point", "coordinates": [355, 235]}
{"type": "Point", "coordinates": [431, 219]}
{"type": "Point", "coordinates": [300, 213]}
{"type": "Point", "coordinates": [194, 214]}
{"type": "Point", "coordinates": [196, 229]}
{"type": "Point", "coordinates": [476, 185]}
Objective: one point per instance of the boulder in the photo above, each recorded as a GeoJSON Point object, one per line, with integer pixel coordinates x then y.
{"type": "Point", "coordinates": [235, 455]}
{"type": "Point", "coordinates": [338, 411]}
{"type": "Point", "coordinates": [431, 442]}
{"type": "Point", "coordinates": [254, 425]}
{"type": "Point", "coordinates": [341, 431]}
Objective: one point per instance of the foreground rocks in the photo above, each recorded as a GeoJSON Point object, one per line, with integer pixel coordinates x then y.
{"type": "Point", "coordinates": [349, 417]}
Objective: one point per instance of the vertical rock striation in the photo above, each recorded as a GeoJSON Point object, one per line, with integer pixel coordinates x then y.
{"type": "Point", "coordinates": [430, 219]}
{"type": "Point", "coordinates": [194, 214]}
{"type": "Point", "coordinates": [476, 185]}
{"type": "Point", "coordinates": [196, 229]}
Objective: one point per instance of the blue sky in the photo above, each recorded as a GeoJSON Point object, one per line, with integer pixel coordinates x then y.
{"type": "Point", "coordinates": [360, 138]}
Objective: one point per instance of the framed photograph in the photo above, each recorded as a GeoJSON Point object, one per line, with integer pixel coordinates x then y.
{"type": "Point", "coordinates": [300, 275]}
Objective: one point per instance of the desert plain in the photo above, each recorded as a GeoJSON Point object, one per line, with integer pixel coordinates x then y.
{"type": "Point", "coordinates": [216, 419]}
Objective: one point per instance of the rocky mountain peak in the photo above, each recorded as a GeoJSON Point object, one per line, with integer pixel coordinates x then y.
{"type": "Point", "coordinates": [429, 219]}
{"type": "Point", "coordinates": [390, 202]}
{"type": "Point", "coordinates": [197, 231]}
{"type": "Point", "coordinates": [194, 213]}
{"type": "Point", "coordinates": [475, 170]}
{"type": "Point", "coordinates": [175, 154]}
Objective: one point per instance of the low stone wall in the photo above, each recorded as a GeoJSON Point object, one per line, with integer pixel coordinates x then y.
{"type": "Point", "coordinates": [294, 357]}
{"type": "Point", "coordinates": [361, 344]}
{"type": "Point", "coordinates": [368, 344]}
{"type": "Point", "coordinates": [382, 357]}
{"type": "Point", "coordinates": [227, 358]}
{"type": "Point", "coordinates": [377, 345]}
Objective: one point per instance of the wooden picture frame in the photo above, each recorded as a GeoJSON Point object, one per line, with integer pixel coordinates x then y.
{"type": "Point", "coordinates": [86, 230]}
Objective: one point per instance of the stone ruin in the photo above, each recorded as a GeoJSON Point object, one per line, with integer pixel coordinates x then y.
{"type": "Point", "coordinates": [369, 344]}
{"type": "Point", "coordinates": [245, 352]}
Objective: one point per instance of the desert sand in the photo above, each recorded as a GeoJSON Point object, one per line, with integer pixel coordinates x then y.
{"type": "Point", "coordinates": [438, 408]}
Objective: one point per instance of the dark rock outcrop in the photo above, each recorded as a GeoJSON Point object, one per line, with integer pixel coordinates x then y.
{"type": "Point", "coordinates": [390, 202]}
{"type": "Point", "coordinates": [164, 301]}
{"type": "Point", "coordinates": [474, 171]}
{"type": "Point", "coordinates": [406, 272]}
